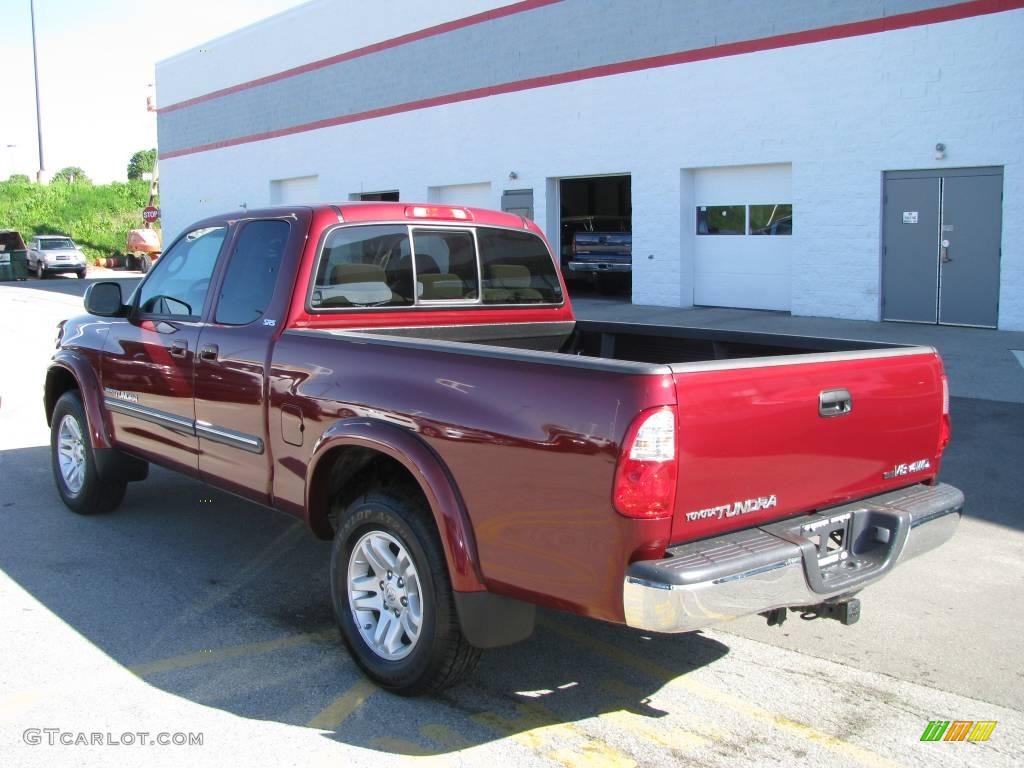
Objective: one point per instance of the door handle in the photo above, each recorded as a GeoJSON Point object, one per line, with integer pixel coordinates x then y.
{"type": "Point", "coordinates": [178, 348]}
{"type": "Point", "coordinates": [209, 352]}
{"type": "Point", "coordinates": [944, 257]}
{"type": "Point", "coordinates": [834, 402]}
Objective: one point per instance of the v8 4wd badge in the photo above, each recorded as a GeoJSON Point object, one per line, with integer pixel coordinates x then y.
{"type": "Point", "coordinates": [908, 469]}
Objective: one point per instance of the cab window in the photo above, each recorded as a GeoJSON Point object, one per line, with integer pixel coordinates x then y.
{"type": "Point", "coordinates": [252, 272]}
{"type": "Point", "coordinates": [180, 279]}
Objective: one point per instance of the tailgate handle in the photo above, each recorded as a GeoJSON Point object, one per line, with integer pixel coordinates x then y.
{"type": "Point", "coordinates": [834, 402]}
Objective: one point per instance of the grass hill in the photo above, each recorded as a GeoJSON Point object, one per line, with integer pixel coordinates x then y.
{"type": "Point", "coordinates": [97, 217]}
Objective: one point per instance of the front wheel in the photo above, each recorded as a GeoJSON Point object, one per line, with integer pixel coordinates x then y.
{"type": "Point", "coordinates": [392, 596]}
{"type": "Point", "coordinates": [74, 466]}
{"type": "Point", "coordinates": [40, 272]}
{"type": "Point", "coordinates": [144, 263]}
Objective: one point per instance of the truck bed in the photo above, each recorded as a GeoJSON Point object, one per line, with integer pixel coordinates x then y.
{"type": "Point", "coordinates": [770, 425]}
{"type": "Point", "coordinates": [657, 345]}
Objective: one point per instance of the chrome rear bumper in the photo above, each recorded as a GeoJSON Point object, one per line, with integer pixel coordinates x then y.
{"type": "Point", "coordinates": [778, 565]}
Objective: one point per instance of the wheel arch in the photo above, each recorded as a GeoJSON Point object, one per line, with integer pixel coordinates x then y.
{"type": "Point", "coordinates": [370, 446]}
{"type": "Point", "coordinates": [70, 371]}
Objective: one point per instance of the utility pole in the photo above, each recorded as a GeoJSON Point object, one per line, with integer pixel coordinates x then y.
{"type": "Point", "coordinates": [35, 69]}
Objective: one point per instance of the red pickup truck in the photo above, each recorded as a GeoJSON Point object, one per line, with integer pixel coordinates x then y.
{"type": "Point", "coordinates": [410, 380]}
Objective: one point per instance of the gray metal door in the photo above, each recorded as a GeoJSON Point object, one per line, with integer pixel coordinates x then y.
{"type": "Point", "coordinates": [910, 276]}
{"type": "Point", "coordinates": [969, 250]}
{"type": "Point", "coordinates": [519, 201]}
{"type": "Point", "coordinates": [942, 232]}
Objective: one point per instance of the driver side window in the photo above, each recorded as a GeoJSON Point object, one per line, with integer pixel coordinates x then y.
{"type": "Point", "coordinates": [180, 279]}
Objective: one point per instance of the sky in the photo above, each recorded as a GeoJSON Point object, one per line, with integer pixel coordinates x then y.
{"type": "Point", "coordinates": [97, 60]}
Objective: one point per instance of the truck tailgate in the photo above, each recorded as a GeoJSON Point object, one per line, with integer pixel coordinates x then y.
{"type": "Point", "coordinates": [602, 246]}
{"type": "Point", "coordinates": [769, 438]}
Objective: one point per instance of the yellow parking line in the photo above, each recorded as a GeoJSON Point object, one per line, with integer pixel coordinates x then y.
{"type": "Point", "coordinates": [774, 719]}
{"type": "Point", "coordinates": [418, 755]}
{"type": "Point", "coordinates": [397, 746]}
{"type": "Point", "coordinates": [444, 736]}
{"type": "Point", "coordinates": [335, 713]}
{"type": "Point", "coordinates": [667, 736]}
{"type": "Point", "coordinates": [538, 729]}
{"type": "Point", "coordinates": [21, 700]}
{"type": "Point", "coordinates": [230, 652]}
{"type": "Point", "coordinates": [660, 730]}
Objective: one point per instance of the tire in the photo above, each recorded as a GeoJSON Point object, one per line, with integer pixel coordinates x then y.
{"type": "Point", "coordinates": [40, 272]}
{"type": "Point", "coordinates": [74, 466]}
{"type": "Point", "coordinates": [144, 263]}
{"type": "Point", "coordinates": [81, 274]}
{"type": "Point", "coordinates": [398, 527]}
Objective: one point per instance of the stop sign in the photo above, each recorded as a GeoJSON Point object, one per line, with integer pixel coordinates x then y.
{"type": "Point", "coordinates": [150, 214]}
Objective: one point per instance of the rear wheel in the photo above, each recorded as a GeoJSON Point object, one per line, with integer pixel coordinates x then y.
{"type": "Point", "coordinates": [73, 462]}
{"type": "Point", "coordinates": [392, 596]}
{"type": "Point", "coordinates": [144, 263]}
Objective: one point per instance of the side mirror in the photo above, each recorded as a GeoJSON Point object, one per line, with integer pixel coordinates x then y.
{"type": "Point", "coordinates": [104, 299]}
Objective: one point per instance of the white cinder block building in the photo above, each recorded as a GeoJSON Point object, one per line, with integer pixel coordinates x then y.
{"type": "Point", "coordinates": [862, 159]}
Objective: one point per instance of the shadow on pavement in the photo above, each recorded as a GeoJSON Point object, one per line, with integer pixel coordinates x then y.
{"type": "Point", "coordinates": [180, 569]}
{"type": "Point", "coordinates": [984, 459]}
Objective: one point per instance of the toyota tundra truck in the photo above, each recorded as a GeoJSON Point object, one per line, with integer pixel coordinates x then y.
{"type": "Point", "coordinates": [409, 380]}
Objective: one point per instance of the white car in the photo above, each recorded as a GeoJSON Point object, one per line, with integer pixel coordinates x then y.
{"type": "Point", "coordinates": [49, 254]}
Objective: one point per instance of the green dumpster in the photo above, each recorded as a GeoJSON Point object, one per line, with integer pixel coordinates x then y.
{"type": "Point", "coordinates": [13, 256]}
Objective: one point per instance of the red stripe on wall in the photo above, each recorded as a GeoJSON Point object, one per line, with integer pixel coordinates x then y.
{"type": "Point", "coordinates": [395, 42]}
{"type": "Point", "coordinates": [838, 32]}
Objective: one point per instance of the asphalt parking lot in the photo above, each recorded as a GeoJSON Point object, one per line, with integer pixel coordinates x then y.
{"type": "Point", "coordinates": [188, 612]}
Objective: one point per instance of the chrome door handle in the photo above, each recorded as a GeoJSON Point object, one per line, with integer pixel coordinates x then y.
{"type": "Point", "coordinates": [834, 402]}
{"type": "Point", "coordinates": [178, 348]}
{"type": "Point", "coordinates": [209, 352]}
{"type": "Point", "coordinates": [944, 256]}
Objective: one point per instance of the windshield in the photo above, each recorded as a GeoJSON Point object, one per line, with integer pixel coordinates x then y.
{"type": "Point", "coordinates": [56, 244]}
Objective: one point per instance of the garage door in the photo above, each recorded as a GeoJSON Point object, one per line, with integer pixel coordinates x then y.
{"type": "Point", "coordinates": [472, 195]}
{"type": "Point", "coordinates": [742, 226]}
{"type": "Point", "coordinates": [300, 190]}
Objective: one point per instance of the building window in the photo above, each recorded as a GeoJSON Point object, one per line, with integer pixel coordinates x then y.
{"type": "Point", "coordinates": [775, 219]}
{"type": "Point", "coordinates": [721, 219]}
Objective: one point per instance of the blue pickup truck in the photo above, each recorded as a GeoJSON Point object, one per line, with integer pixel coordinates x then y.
{"type": "Point", "coordinates": [600, 251]}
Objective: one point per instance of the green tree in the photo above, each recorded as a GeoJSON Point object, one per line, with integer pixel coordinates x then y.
{"type": "Point", "coordinates": [141, 162]}
{"type": "Point", "coordinates": [19, 178]}
{"type": "Point", "coordinates": [72, 174]}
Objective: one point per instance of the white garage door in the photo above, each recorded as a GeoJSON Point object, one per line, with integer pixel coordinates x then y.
{"type": "Point", "coordinates": [300, 190]}
{"type": "Point", "coordinates": [742, 225]}
{"type": "Point", "coordinates": [472, 195]}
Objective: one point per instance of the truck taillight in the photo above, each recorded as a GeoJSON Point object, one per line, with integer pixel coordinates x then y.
{"type": "Point", "coordinates": [946, 429]}
{"type": "Point", "coordinates": [437, 212]}
{"type": "Point", "coordinates": [645, 478]}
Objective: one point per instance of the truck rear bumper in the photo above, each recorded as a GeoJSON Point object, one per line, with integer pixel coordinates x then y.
{"type": "Point", "coordinates": [599, 266]}
{"type": "Point", "coordinates": [792, 563]}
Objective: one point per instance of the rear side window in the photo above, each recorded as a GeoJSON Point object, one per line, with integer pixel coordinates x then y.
{"type": "Point", "coordinates": [364, 267]}
{"type": "Point", "coordinates": [516, 269]}
{"type": "Point", "coordinates": [252, 272]}
{"type": "Point", "coordinates": [398, 266]}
